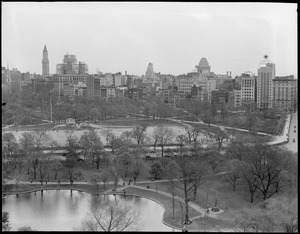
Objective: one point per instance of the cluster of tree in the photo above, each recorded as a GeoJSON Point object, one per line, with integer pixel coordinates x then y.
{"type": "Point", "coordinates": [277, 214]}
{"type": "Point", "coordinates": [264, 169]}
{"type": "Point", "coordinates": [30, 162]}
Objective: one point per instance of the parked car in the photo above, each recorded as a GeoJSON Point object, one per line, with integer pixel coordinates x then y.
{"type": "Point", "coordinates": [294, 130]}
{"type": "Point", "coordinates": [149, 157]}
{"type": "Point", "coordinates": [294, 140]}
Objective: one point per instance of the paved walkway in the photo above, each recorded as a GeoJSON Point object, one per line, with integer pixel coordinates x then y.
{"type": "Point", "coordinates": [279, 139]}
{"type": "Point", "coordinates": [198, 208]}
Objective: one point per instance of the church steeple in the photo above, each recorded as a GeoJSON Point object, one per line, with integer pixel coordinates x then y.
{"type": "Point", "coordinates": [45, 62]}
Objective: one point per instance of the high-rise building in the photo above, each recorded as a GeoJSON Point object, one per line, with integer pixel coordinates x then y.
{"type": "Point", "coordinates": [248, 88]}
{"type": "Point", "coordinates": [45, 62]}
{"type": "Point", "coordinates": [265, 76]}
{"type": "Point", "coordinates": [150, 74]}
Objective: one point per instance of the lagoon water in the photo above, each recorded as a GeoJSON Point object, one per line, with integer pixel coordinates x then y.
{"type": "Point", "coordinates": [63, 211]}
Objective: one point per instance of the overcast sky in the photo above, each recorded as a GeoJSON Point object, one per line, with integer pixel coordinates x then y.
{"type": "Point", "coordinates": [118, 37]}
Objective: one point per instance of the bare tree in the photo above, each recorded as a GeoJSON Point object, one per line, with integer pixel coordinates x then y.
{"type": "Point", "coordinates": [26, 141]}
{"type": "Point", "coordinates": [126, 138]}
{"type": "Point", "coordinates": [72, 141]}
{"type": "Point", "coordinates": [182, 140]}
{"type": "Point", "coordinates": [9, 143]}
{"type": "Point", "coordinates": [251, 180]}
{"type": "Point", "coordinates": [104, 176]}
{"type": "Point", "coordinates": [164, 135]}
{"type": "Point", "coordinates": [184, 174]}
{"type": "Point", "coordinates": [40, 139]}
{"type": "Point", "coordinates": [43, 167]}
{"type": "Point", "coordinates": [70, 171]}
{"type": "Point", "coordinates": [189, 132]}
{"type": "Point", "coordinates": [137, 167]}
{"type": "Point", "coordinates": [113, 216]}
{"type": "Point", "coordinates": [139, 134]}
{"type": "Point", "coordinates": [124, 163]}
{"type": "Point", "coordinates": [33, 163]}
{"type": "Point", "coordinates": [233, 167]}
{"type": "Point", "coordinates": [115, 176]}
{"type": "Point", "coordinates": [107, 134]}
{"type": "Point", "coordinates": [266, 164]}
{"type": "Point", "coordinates": [57, 166]}
{"type": "Point", "coordinates": [95, 179]}
{"type": "Point", "coordinates": [26, 144]}
{"type": "Point", "coordinates": [220, 136]}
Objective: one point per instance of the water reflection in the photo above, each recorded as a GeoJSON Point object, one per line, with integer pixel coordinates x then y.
{"type": "Point", "coordinates": [59, 211]}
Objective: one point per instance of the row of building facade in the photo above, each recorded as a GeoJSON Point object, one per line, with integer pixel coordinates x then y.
{"type": "Point", "coordinates": [72, 79]}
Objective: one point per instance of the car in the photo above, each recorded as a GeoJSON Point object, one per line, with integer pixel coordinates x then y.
{"type": "Point", "coordinates": [294, 126]}
{"type": "Point", "coordinates": [149, 157]}
{"type": "Point", "coordinates": [294, 130]}
{"type": "Point", "coordinates": [294, 140]}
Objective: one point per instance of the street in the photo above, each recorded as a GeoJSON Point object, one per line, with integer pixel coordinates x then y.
{"type": "Point", "coordinates": [293, 134]}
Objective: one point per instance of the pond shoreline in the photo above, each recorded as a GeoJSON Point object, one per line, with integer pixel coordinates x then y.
{"type": "Point", "coordinates": [80, 189]}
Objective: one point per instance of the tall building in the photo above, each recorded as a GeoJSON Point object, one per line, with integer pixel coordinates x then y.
{"type": "Point", "coordinates": [248, 89]}
{"type": "Point", "coordinates": [150, 75]}
{"type": "Point", "coordinates": [265, 76]}
{"type": "Point", "coordinates": [285, 93]}
{"type": "Point", "coordinates": [45, 62]}
{"type": "Point", "coordinates": [70, 66]}
{"type": "Point", "coordinates": [203, 66]}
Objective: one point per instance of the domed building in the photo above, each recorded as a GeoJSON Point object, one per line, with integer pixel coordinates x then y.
{"type": "Point", "coordinates": [203, 66]}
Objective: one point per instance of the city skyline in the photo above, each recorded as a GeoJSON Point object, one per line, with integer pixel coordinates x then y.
{"type": "Point", "coordinates": [119, 37]}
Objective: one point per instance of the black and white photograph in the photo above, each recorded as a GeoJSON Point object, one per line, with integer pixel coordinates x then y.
{"type": "Point", "coordinates": [149, 116]}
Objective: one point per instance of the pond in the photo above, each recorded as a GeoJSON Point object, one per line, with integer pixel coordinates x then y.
{"type": "Point", "coordinates": [63, 210]}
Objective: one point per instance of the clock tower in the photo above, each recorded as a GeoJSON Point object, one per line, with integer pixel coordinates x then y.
{"type": "Point", "coordinates": [45, 62]}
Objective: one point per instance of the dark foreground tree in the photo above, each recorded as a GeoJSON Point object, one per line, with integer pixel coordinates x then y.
{"type": "Point", "coordinates": [5, 221]}
{"type": "Point", "coordinates": [185, 174]}
{"type": "Point", "coordinates": [112, 216]}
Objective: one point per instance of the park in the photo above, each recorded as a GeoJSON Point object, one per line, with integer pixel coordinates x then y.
{"type": "Point", "coordinates": [195, 171]}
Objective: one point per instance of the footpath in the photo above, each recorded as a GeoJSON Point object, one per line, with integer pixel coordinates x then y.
{"type": "Point", "coordinates": [279, 139]}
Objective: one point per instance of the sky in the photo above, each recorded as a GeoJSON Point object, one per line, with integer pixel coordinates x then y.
{"type": "Point", "coordinates": [126, 36]}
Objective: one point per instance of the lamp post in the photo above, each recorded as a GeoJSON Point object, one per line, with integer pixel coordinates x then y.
{"type": "Point", "coordinates": [50, 107]}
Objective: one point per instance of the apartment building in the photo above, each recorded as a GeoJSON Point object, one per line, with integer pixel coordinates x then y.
{"type": "Point", "coordinates": [248, 89]}
{"type": "Point", "coordinates": [285, 93]}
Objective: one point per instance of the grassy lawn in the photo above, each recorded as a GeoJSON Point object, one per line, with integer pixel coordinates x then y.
{"type": "Point", "coordinates": [229, 201]}
{"type": "Point", "coordinates": [167, 203]}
